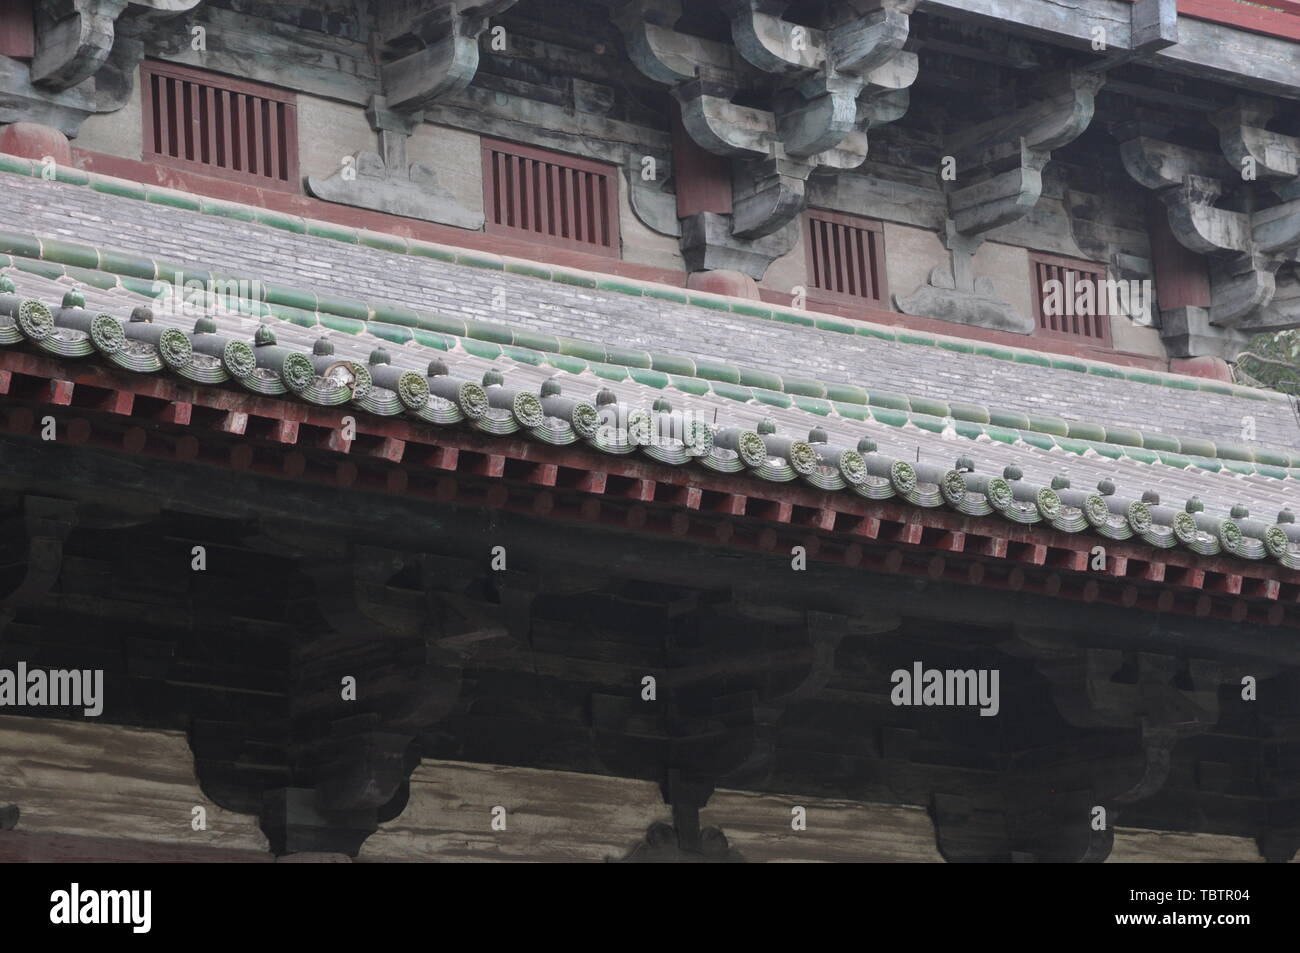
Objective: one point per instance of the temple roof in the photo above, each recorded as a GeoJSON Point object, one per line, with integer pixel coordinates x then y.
{"type": "Point", "coordinates": [1162, 482]}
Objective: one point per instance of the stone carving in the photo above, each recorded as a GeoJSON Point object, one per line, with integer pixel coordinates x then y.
{"type": "Point", "coordinates": [386, 181]}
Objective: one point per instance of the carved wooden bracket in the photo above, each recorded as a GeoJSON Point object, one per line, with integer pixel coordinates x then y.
{"type": "Point", "coordinates": [826, 88]}
{"type": "Point", "coordinates": [75, 37]}
{"type": "Point", "coordinates": [444, 36]}
{"type": "Point", "coordinates": [1248, 244]}
{"type": "Point", "coordinates": [999, 165]}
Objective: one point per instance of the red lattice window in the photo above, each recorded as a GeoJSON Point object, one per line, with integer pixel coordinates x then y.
{"type": "Point", "coordinates": [220, 126]}
{"type": "Point", "coordinates": [556, 199]}
{"type": "Point", "coordinates": [17, 29]}
{"type": "Point", "coordinates": [1064, 307]}
{"type": "Point", "coordinates": [846, 258]}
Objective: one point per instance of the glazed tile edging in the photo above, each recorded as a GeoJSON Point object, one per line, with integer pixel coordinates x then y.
{"type": "Point", "coordinates": [124, 188]}
{"type": "Point", "coordinates": [206, 356]}
{"type": "Point", "coordinates": [400, 325]}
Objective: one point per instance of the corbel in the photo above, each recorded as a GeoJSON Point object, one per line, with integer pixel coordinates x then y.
{"type": "Point", "coordinates": [446, 37]}
{"type": "Point", "coordinates": [74, 38]}
{"type": "Point", "coordinates": [1005, 158]}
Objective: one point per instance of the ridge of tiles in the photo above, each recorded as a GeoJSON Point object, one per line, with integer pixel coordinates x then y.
{"type": "Point", "coordinates": [210, 357]}
{"type": "Point", "coordinates": [123, 188]}
{"type": "Point", "coordinates": [398, 324]}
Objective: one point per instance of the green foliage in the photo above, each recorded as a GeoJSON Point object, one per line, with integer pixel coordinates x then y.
{"type": "Point", "coordinates": [1271, 361]}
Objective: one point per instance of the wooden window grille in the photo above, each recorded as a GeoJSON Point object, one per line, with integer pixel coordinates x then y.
{"type": "Point", "coordinates": [846, 258]}
{"type": "Point", "coordinates": [220, 126]}
{"type": "Point", "coordinates": [17, 29]}
{"type": "Point", "coordinates": [1056, 315]}
{"type": "Point", "coordinates": [547, 197]}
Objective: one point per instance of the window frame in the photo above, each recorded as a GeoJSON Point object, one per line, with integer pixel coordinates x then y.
{"type": "Point", "coordinates": [1098, 271]}
{"type": "Point", "coordinates": [609, 172]}
{"type": "Point", "coordinates": [293, 176]}
{"type": "Point", "coordinates": [843, 298]}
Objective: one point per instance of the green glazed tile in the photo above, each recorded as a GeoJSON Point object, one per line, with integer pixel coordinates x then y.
{"type": "Point", "coordinates": [1002, 354]}
{"type": "Point", "coordinates": [436, 252]}
{"type": "Point", "coordinates": [488, 331]}
{"type": "Point", "coordinates": [672, 364]}
{"type": "Point", "coordinates": [690, 385]}
{"type": "Point", "coordinates": [1038, 360]}
{"type": "Point", "coordinates": [1234, 451]}
{"type": "Point", "coordinates": [894, 418]}
{"type": "Point", "coordinates": [1160, 442]}
{"type": "Point", "coordinates": [285, 223]}
{"type": "Point", "coordinates": [237, 213]}
{"type": "Point", "coordinates": [136, 266]}
{"type": "Point", "coordinates": [442, 342]}
{"type": "Point", "coordinates": [1108, 450]}
{"type": "Point", "coordinates": [732, 391]}
{"type": "Point", "coordinates": [570, 278]}
{"type": "Point", "coordinates": [1040, 440]}
{"type": "Point", "coordinates": [1174, 460]}
{"type": "Point", "coordinates": [1213, 464]}
{"type": "Point", "coordinates": [1141, 455]}
{"type": "Point", "coordinates": [846, 393]}
{"type": "Point", "coordinates": [790, 317]}
{"type": "Point", "coordinates": [803, 386]}
{"type": "Point", "coordinates": [910, 337]}
{"type": "Point", "coordinates": [87, 276]}
{"type": "Point", "coordinates": [713, 304]}
{"type": "Point", "coordinates": [582, 349]}
{"type": "Point", "coordinates": [346, 325]}
{"type": "Point", "coordinates": [382, 242]}
{"type": "Point", "coordinates": [665, 294]}
{"type": "Point", "coordinates": [872, 331]}
{"type": "Point", "coordinates": [1106, 370]}
{"type": "Point", "coordinates": [566, 362]}
{"type": "Point", "coordinates": [830, 324]}
{"type": "Point", "coordinates": [1045, 424]}
{"type": "Point", "coordinates": [1069, 364]}
{"type": "Point", "coordinates": [649, 378]}
{"type": "Point", "coordinates": [1196, 447]}
{"type": "Point", "coordinates": [290, 297]}
{"type": "Point", "coordinates": [756, 378]}
{"type": "Point", "coordinates": [348, 307]}
{"type": "Point", "coordinates": [814, 405]}
{"type": "Point", "coordinates": [1002, 434]}
{"type": "Point", "coordinates": [928, 422]}
{"type": "Point", "coordinates": [961, 347]}
{"type": "Point", "coordinates": [65, 173]}
{"type": "Point", "coordinates": [1277, 473]}
{"type": "Point", "coordinates": [46, 269]}
{"type": "Point", "coordinates": [717, 371]}
{"type": "Point", "coordinates": [627, 356]}
{"type": "Point", "coordinates": [140, 286]}
{"type": "Point", "coordinates": [752, 311]}
{"type": "Point", "coordinates": [852, 411]}
{"type": "Point", "coordinates": [926, 405]}
{"type": "Point", "coordinates": [618, 287]}
{"type": "Point", "coordinates": [1144, 377]}
{"type": "Point", "coordinates": [970, 431]}
{"type": "Point", "coordinates": [485, 349]}
{"type": "Point", "coordinates": [1271, 457]}
{"type": "Point", "coordinates": [1124, 436]}
{"type": "Point", "coordinates": [173, 200]}
{"type": "Point", "coordinates": [69, 253]}
{"type": "Point", "coordinates": [971, 412]}
{"type": "Point", "coordinates": [524, 355]}
{"type": "Point", "coordinates": [1237, 466]}
{"type": "Point", "coordinates": [337, 233]}
{"type": "Point", "coordinates": [528, 270]}
{"type": "Point", "coordinates": [16, 164]}
{"type": "Point", "coordinates": [389, 332]}
{"type": "Point", "coordinates": [441, 323]}
{"type": "Point", "coordinates": [884, 398]}
{"type": "Point", "coordinates": [1009, 418]}
{"type": "Point", "coordinates": [16, 243]}
{"type": "Point", "coordinates": [304, 319]}
{"type": "Point", "coordinates": [118, 187]}
{"type": "Point", "coordinates": [1181, 383]}
{"type": "Point", "coordinates": [772, 398]}
{"type": "Point", "coordinates": [536, 340]}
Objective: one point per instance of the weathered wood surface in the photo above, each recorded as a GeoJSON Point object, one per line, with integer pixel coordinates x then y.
{"type": "Point", "coordinates": [110, 781]}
